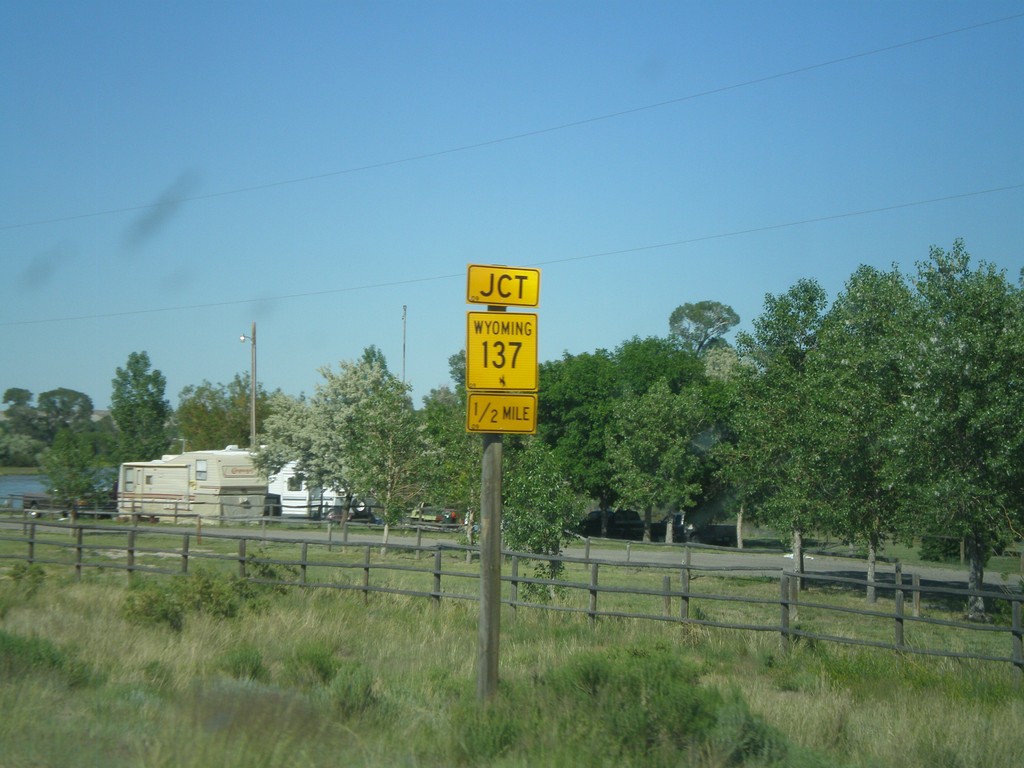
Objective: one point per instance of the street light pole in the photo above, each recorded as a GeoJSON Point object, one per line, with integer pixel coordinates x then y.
{"type": "Point", "coordinates": [252, 387]}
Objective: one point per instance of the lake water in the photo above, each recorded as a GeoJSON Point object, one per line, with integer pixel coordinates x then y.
{"type": "Point", "coordinates": [13, 487]}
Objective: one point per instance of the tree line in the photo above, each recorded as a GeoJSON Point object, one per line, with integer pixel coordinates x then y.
{"type": "Point", "coordinates": [892, 413]}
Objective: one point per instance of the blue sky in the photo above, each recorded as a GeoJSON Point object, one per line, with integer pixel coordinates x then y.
{"type": "Point", "coordinates": [172, 172]}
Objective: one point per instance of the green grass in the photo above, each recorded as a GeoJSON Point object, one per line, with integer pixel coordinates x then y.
{"type": "Point", "coordinates": [91, 674]}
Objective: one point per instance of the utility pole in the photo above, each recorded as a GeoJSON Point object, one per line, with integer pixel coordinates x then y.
{"type": "Point", "coordinates": [252, 386]}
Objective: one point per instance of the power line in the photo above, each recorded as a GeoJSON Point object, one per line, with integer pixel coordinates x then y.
{"type": "Point", "coordinates": [517, 136]}
{"type": "Point", "coordinates": [547, 262]}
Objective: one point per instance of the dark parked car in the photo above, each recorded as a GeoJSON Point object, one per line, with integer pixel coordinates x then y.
{"type": "Point", "coordinates": [719, 534]}
{"type": "Point", "coordinates": [622, 524]}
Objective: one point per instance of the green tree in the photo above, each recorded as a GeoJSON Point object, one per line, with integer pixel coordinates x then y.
{"type": "Point", "coordinates": [701, 326]}
{"type": "Point", "coordinates": [540, 508]}
{"type": "Point", "coordinates": [140, 410]}
{"type": "Point", "coordinates": [358, 432]}
{"type": "Point", "coordinates": [962, 431]}
{"type": "Point", "coordinates": [642, 362]}
{"type": "Point", "coordinates": [452, 466]}
{"type": "Point", "coordinates": [70, 468]}
{"type": "Point", "coordinates": [652, 449]}
{"type": "Point", "coordinates": [775, 465]}
{"type": "Point", "coordinates": [21, 417]}
{"type": "Point", "coordinates": [859, 379]}
{"type": "Point", "coordinates": [17, 450]}
{"type": "Point", "coordinates": [211, 416]}
{"type": "Point", "coordinates": [574, 411]}
{"type": "Point", "coordinates": [64, 409]}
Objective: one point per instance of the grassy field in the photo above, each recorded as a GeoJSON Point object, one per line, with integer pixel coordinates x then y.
{"type": "Point", "coordinates": [206, 670]}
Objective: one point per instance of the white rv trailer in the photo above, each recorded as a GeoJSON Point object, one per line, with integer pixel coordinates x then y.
{"type": "Point", "coordinates": [288, 488]}
{"type": "Point", "coordinates": [210, 484]}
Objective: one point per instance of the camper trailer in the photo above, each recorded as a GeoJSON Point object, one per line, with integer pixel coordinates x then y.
{"type": "Point", "coordinates": [210, 484]}
{"type": "Point", "coordinates": [288, 492]}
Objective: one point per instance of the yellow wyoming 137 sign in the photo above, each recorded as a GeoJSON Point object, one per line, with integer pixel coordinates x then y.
{"type": "Point", "coordinates": [501, 351]}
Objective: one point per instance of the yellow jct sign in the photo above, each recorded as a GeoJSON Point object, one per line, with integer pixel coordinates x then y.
{"type": "Point", "coordinates": [502, 286]}
{"type": "Point", "coordinates": [494, 412]}
{"type": "Point", "coordinates": [501, 351]}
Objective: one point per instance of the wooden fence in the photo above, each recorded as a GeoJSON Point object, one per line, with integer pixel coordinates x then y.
{"type": "Point", "coordinates": [799, 607]}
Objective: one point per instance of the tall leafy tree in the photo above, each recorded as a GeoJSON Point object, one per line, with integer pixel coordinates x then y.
{"type": "Point", "coordinates": [859, 378]}
{"type": "Point", "coordinates": [358, 432]}
{"type": "Point", "coordinates": [574, 413]}
{"type": "Point", "coordinates": [642, 362]}
{"type": "Point", "coordinates": [540, 509]}
{"type": "Point", "coordinates": [651, 448]}
{"type": "Point", "coordinates": [70, 468]}
{"type": "Point", "coordinates": [776, 463]}
{"type": "Point", "coordinates": [702, 325]}
{"type": "Point", "coordinates": [962, 432]}
{"type": "Point", "coordinates": [452, 466]}
{"type": "Point", "coordinates": [211, 416]}
{"type": "Point", "coordinates": [21, 417]}
{"type": "Point", "coordinates": [64, 409]}
{"type": "Point", "coordinates": [140, 410]}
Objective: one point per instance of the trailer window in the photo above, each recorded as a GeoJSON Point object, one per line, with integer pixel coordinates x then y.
{"type": "Point", "coordinates": [149, 479]}
{"type": "Point", "coordinates": [129, 482]}
{"type": "Point", "coordinates": [200, 469]}
{"type": "Point", "coordinates": [295, 482]}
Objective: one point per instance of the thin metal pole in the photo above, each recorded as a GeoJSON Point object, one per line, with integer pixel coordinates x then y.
{"type": "Point", "coordinates": [403, 342]}
{"type": "Point", "coordinates": [490, 566]}
{"type": "Point", "coordinates": [252, 393]}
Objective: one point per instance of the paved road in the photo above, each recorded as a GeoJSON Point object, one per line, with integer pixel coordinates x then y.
{"type": "Point", "coordinates": [757, 562]}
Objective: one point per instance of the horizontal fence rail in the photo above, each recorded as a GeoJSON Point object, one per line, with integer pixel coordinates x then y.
{"type": "Point", "coordinates": [799, 606]}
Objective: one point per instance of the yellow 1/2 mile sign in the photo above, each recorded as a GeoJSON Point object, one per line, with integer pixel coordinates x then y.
{"type": "Point", "coordinates": [501, 351]}
{"type": "Point", "coordinates": [499, 412]}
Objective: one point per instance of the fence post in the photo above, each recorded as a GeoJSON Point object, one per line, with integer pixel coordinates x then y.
{"type": "Point", "coordinates": [419, 541]}
{"type": "Point", "coordinates": [241, 558]}
{"type": "Point", "coordinates": [514, 588]}
{"type": "Point", "coordinates": [302, 565]}
{"type": "Point", "coordinates": [629, 550]}
{"type": "Point", "coordinates": [898, 617]}
{"type": "Point", "coordinates": [31, 543]}
{"type": "Point", "coordinates": [199, 530]}
{"type": "Point", "coordinates": [78, 553]}
{"type": "Point", "coordinates": [794, 596]}
{"type": "Point", "coordinates": [130, 555]}
{"type": "Point", "coordinates": [330, 536]}
{"type": "Point", "coordinates": [916, 580]}
{"type": "Point", "coordinates": [684, 609]}
{"type": "Point", "coordinates": [592, 613]}
{"type": "Point", "coordinates": [366, 576]}
{"type": "Point", "coordinates": [666, 588]}
{"type": "Point", "coordinates": [784, 611]}
{"type": "Point", "coordinates": [437, 576]}
{"type": "Point", "coordinates": [184, 554]}
{"type": "Point", "coordinates": [1018, 643]}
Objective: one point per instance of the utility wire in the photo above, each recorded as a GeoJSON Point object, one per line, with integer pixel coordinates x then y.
{"type": "Point", "coordinates": [518, 136]}
{"type": "Point", "coordinates": [547, 262]}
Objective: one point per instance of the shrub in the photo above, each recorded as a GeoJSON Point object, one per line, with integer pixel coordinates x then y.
{"type": "Point", "coordinates": [22, 657]}
{"type": "Point", "coordinates": [244, 663]}
{"type": "Point", "coordinates": [312, 663]}
{"type": "Point", "coordinates": [153, 604]}
{"type": "Point", "coordinates": [352, 689]}
{"type": "Point", "coordinates": [29, 577]}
